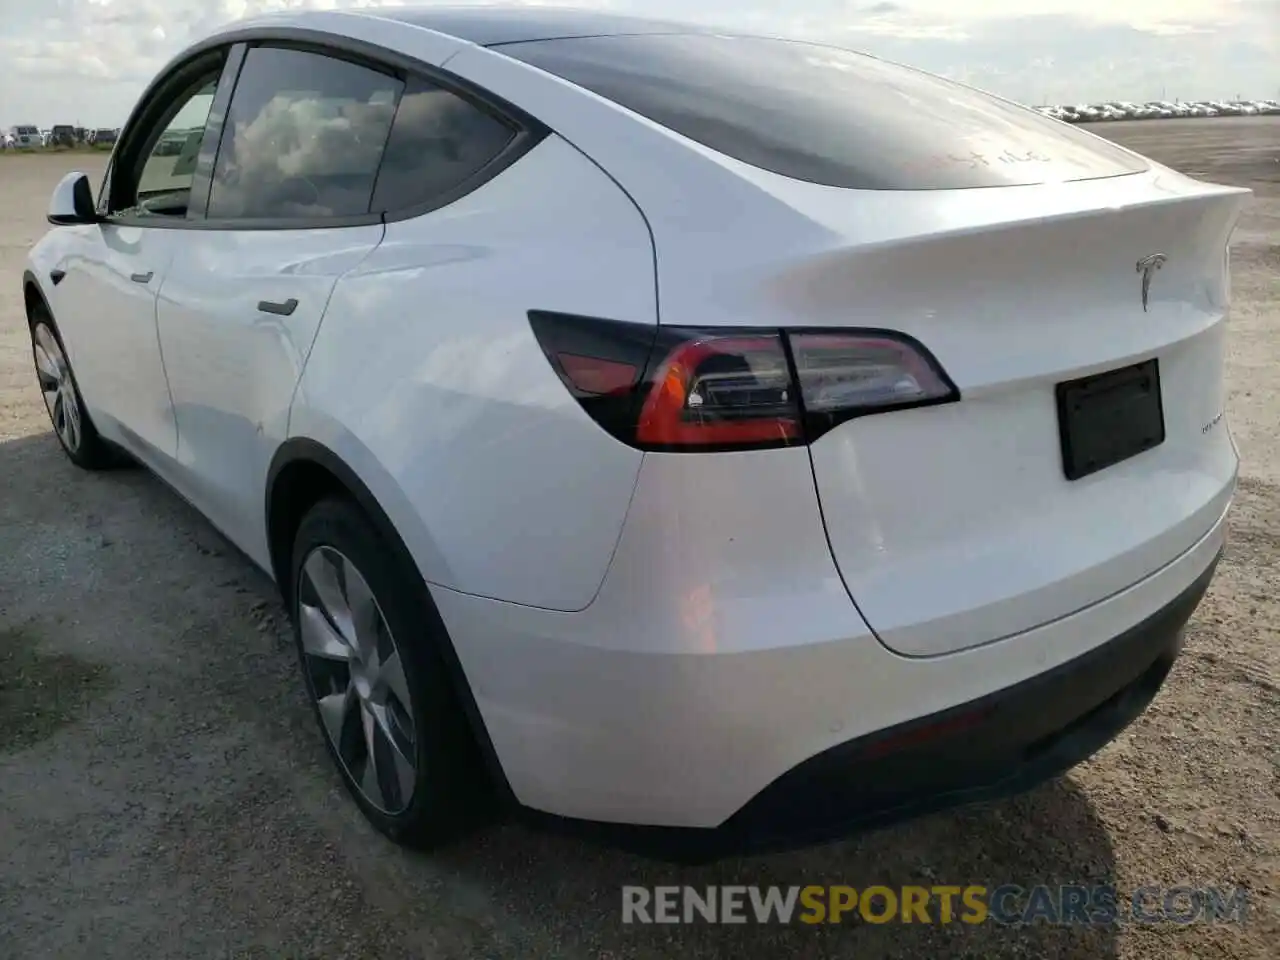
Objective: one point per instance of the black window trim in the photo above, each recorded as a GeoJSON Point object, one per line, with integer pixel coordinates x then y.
{"type": "Point", "coordinates": [207, 158]}
{"type": "Point", "coordinates": [104, 190]}
{"type": "Point", "coordinates": [529, 132]}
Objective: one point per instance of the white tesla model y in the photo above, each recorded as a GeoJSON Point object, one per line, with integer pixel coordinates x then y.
{"type": "Point", "coordinates": [710, 441]}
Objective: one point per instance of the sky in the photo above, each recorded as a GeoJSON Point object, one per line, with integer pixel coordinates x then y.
{"type": "Point", "coordinates": [86, 61]}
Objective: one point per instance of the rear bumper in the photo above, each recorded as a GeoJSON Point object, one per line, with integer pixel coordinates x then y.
{"type": "Point", "coordinates": [995, 746]}
{"type": "Point", "coordinates": [722, 655]}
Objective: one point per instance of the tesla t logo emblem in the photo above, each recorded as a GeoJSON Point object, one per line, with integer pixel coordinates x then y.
{"type": "Point", "coordinates": [1148, 266]}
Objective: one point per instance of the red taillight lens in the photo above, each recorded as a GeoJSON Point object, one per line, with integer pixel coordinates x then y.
{"type": "Point", "coordinates": [721, 391]}
{"type": "Point", "coordinates": [686, 389]}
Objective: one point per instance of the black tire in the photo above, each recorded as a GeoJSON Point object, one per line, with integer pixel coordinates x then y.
{"type": "Point", "coordinates": [451, 793]}
{"type": "Point", "coordinates": [91, 452]}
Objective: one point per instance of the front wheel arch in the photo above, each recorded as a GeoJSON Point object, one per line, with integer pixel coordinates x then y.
{"type": "Point", "coordinates": [93, 452]}
{"type": "Point", "coordinates": [33, 296]}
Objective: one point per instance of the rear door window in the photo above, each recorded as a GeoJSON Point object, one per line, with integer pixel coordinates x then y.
{"type": "Point", "coordinates": [826, 115]}
{"type": "Point", "coordinates": [303, 138]}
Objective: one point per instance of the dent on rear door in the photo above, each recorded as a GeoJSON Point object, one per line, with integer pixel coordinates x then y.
{"type": "Point", "coordinates": [427, 379]}
{"type": "Point", "coordinates": [233, 363]}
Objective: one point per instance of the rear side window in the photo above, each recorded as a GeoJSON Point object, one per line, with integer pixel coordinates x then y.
{"type": "Point", "coordinates": [303, 138]}
{"type": "Point", "coordinates": [826, 115]}
{"type": "Point", "coordinates": [437, 143]}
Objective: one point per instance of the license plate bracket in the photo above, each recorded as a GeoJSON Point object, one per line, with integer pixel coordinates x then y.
{"type": "Point", "coordinates": [1109, 417]}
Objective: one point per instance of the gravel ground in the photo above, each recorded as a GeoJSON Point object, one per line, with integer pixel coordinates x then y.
{"type": "Point", "coordinates": [164, 795]}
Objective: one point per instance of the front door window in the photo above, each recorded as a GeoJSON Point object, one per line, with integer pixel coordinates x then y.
{"type": "Point", "coordinates": [163, 187]}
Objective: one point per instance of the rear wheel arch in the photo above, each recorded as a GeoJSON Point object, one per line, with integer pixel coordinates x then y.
{"type": "Point", "coordinates": [302, 473]}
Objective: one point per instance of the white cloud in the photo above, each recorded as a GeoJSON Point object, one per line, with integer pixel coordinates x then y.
{"type": "Point", "coordinates": [87, 60]}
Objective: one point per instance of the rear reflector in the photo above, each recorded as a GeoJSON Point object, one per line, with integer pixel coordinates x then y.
{"type": "Point", "coordinates": [691, 389]}
{"type": "Point", "coordinates": [896, 742]}
{"type": "Point", "coordinates": [597, 376]}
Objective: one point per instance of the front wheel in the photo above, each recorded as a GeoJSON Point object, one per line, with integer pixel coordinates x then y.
{"type": "Point", "coordinates": [377, 681]}
{"type": "Point", "coordinates": [71, 423]}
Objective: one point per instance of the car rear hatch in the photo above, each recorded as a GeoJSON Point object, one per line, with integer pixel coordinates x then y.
{"type": "Point", "coordinates": [1083, 325]}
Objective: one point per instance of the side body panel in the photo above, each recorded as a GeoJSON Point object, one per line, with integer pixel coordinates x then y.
{"type": "Point", "coordinates": [426, 374]}
{"type": "Point", "coordinates": [105, 307]}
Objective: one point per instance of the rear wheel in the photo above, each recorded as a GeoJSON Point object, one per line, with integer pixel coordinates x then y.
{"type": "Point", "coordinates": [71, 423]}
{"type": "Point", "coordinates": [377, 682]}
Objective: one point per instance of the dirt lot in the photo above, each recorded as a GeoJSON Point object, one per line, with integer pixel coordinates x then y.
{"type": "Point", "coordinates": [163, 793]}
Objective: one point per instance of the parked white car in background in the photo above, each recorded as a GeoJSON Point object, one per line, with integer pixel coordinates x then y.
{"type": "Point", "coordinates": [636, 458]}
{"type": "Point", "coordinates": [25, 135]}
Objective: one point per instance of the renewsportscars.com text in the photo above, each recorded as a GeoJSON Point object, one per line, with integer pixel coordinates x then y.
{"type": "Point", "coordinates": [1011, 904]}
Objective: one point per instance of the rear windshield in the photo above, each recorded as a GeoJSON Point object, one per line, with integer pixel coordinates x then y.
{"type": "Point", "coordinates": [825, 115]}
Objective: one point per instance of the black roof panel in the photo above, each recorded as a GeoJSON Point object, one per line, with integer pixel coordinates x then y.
{"type": "Point", "coordinates": [492, 25]}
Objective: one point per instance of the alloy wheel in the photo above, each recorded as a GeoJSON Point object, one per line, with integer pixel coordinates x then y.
{"type": "Point", "coordinates": [57, 387]}
{"type": "Point", "coordinates": [357, 677]}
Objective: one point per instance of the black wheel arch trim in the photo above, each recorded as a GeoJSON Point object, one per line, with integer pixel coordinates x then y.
{"type": "Point", "coordinates": [305, 450]}
{"type": "Point", "coordinates": [29, 279]}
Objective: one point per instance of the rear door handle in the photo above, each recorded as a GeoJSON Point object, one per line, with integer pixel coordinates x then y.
{"type": "Point", "coordinates": [142, 277]}
{"type": "Point", "coordinates": [279, 309]}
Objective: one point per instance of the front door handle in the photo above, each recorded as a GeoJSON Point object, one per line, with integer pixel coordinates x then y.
{"type": "Point", "coordinates": [279, 309]}
{"type": "Point", "coordinates": [142, 277]}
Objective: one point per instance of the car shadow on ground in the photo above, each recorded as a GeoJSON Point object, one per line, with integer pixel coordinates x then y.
{"type": "Point", "coordinates": [192, 646]}
{"type": "Point", "coordinates": [1051, 836]}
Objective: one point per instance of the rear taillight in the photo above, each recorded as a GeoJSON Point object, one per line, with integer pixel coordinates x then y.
{"type": "Point", "coordinates": [695, 389]}
{"type": "Point", "coordinates": [720, 391]}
